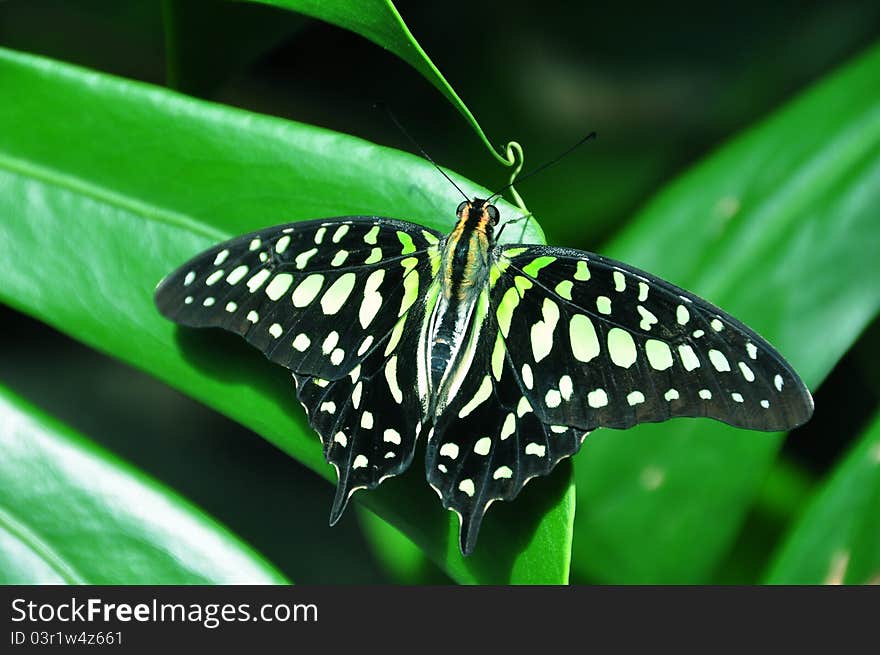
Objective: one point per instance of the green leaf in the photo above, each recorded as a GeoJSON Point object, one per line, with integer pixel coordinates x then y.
{"type": "Point", "coordinates": [72, 513]}
{"type": "Point", "coordinates": [380, 22]}
{"type": "Point", "coordinates": [398, 554]}
{"type": "Point", "coordinates": [837, 540]}
{"type": "Point", "coordinates": [779, 228]}
{"type": "Point", "coordinates": [106, 185]}
{"type": "Point", "coordinates": [402, 559]}
{"type": "Point", "coordinates": [514, 547]}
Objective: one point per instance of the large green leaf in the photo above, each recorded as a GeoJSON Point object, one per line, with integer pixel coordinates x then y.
{"type": "Point", "coordinates": [107, 185]}
{"type": "Point", "coordinates": [837, 540]}
{"type": "Point", "coordinates": [398, 554]}
{"type": "Point", "coordinates": [72, 513]}
{"type": "Point", "coordinates": [380, 22]}
{"type": "Point", "coordinates": [780, 228]}
{"type": "Point", "coordinates": [401, 558]}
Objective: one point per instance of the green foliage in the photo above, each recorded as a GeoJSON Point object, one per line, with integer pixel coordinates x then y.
{"type": "Point", "coordinates": [403, 559]}
{"type": "Point", "coordinates": [71, 513]}
{"type": "Point", "coordinates": [380, 22]}
{"type": "Point", "coordinates": [778, 226]}
{"type": "Point", "coordinates": [203, 173]}
{"type": "Point", "coordinates": [837, 540]}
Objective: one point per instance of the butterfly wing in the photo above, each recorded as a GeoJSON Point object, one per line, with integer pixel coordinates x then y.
{"type": "Point", "coordinates": [574, 341]}
{"type": "Point", "coordinates": [332, 300]}
{"type": "Point", "coordinates": [309, 295]}
{"type": "Point", "coordinates": [370, 419]}
{"type": "Point", "coordinates": [489, 442]}
{"type": "Point", "coordinates": [600, 343]}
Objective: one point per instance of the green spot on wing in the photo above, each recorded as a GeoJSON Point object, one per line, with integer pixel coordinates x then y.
{"type": "Point", "coordinates": [408, 264]}
{"type": "Point", "coordinates": [375, 256]}
{"type": "Point", "coordinates": [497, 270]}
{"type": "Point", "coordinates": [522, 284]}
{"type": "Point", "coordinates": [564, 289]}
{"type": "Point", "coordinates": [537, 264]}
{"type": "Point", "coordinates": [371, 236]}
{"type": "Point", "coordinates": [410, 291]}
{"type": "Point", "coordinates": [407, 243]}
{"type": "Point", "coordinates": [505, 310]}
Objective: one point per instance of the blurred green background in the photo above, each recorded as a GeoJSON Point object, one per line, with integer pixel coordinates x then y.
{"type": "Point", "coordinates": [663, 87]}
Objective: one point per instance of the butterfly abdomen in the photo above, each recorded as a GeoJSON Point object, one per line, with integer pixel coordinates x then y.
{"type": "Point", "coordinates": [457, 314]}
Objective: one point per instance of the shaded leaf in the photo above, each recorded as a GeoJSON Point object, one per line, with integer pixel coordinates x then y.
{"type": "Point", "coordinates": [837, 539]}
{"type": "Point", "coordinates": [402, 559]}
{"type": "Point", "coordinates": [380, 22]}
{"type": "Point", "coordinates": [72, 513]}
{"type": "Point", "coordinates": [778, 228]}
{"type": "Point", "coordinates": [200, 51]}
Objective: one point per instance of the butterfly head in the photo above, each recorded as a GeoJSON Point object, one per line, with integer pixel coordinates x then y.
{"type": "Point", "coordinates": [478, 214]}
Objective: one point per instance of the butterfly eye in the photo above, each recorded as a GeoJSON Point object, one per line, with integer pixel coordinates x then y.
{"type": "Point", "coordinates": [461, 207]}
{"type": "Point", "coordinates": [494, 216]}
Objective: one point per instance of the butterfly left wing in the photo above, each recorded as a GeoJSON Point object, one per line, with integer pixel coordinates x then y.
{"type": "Point", "coordinates": [488, 442]}
{"type": "Point", "coordinates": [572, 341]}
{"type": "Point", "coordinates": [600, 343]}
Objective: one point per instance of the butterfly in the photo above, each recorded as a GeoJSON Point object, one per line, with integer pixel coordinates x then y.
{"type": "Point", "coordinates": [503, 357]}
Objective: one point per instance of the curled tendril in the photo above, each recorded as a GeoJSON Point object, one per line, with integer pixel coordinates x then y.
{"type": "Point", "coordinates": [516, 158]}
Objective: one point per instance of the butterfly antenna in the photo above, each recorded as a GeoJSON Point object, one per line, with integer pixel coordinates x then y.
{"type": "Point", "coordinates": [591, 135]}
{"type": "Point", "coordinates": [422, 150]}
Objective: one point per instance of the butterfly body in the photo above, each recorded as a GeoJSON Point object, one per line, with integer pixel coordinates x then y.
{"type": "Point", "coordinates": [446, 349]}
{"type": "Point", "coordinates": [503, 357]}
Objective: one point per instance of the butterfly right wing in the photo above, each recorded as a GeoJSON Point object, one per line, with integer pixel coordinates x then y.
{"type": "Point", "coordinates": [310, 295]}
{"type": "Point", "coordinates": [339, 302]}
{"type": "Point", "coordinates": [369, 420]}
